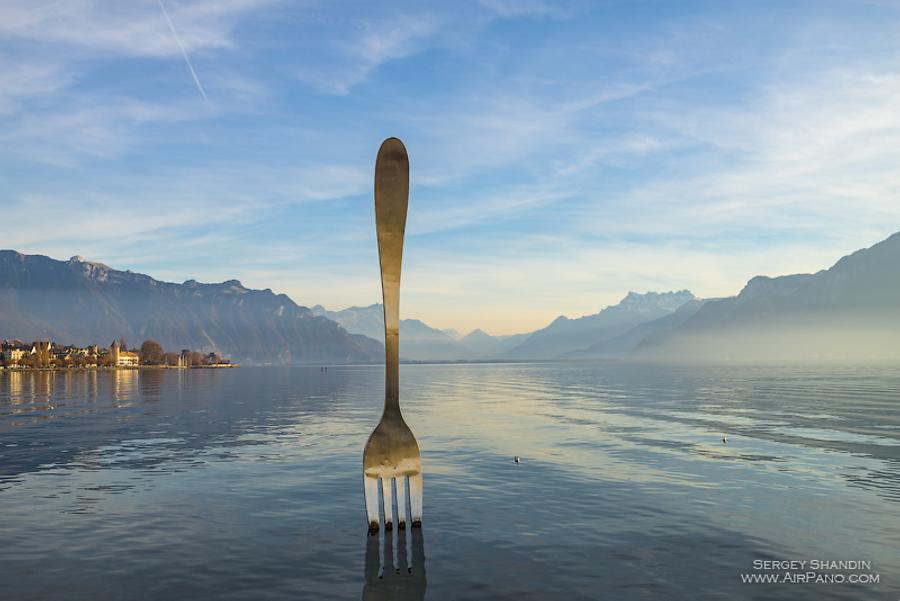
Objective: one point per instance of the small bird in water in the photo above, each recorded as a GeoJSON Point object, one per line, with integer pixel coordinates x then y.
{"type": "Point", "coordinates": [724, 439]}
{"type": "Point", "coordinates": [517, 459]}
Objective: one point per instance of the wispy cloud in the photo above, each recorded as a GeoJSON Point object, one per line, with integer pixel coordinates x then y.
{"type": "Point", "coordinates": [53, 107]}
{"type": "Point", "coordinates": [83, 130]}
{"type": "Point", "coordinates": [529, 8]}
{"type": "Point", "coordinates": [811, 156]}
{"type": "Point", "coordinates": [557, 162]}
{"type": "Point", "coordinates": [352, 56]}
{"type": "Point", "coordinates": [132, 29]}
{"type": "Point", "coordinates": [20, 80]}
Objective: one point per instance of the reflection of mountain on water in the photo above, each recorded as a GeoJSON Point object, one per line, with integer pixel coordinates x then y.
{"type": "Point", "coordinates": [194, 410]}
{"type": "Point", "coordinates": [401, 576]}
{"type": "Point", "coordinates": [625, 491]}
{"type": "Point", "coordinates": [151, 384]}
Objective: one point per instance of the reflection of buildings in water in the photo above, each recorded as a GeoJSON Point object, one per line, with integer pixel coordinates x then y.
{"type": "Point", "coordinates": [14, 382]}
{"type": "Point", "coordinates": [180, 375]}
{"type": "Point", "coordinates": [29, 387]}
{"type": "Point", "coordinates": [124, 386]}
{"type": "Point", "coordinates": [79, 384]}
{"type": "Point", "coordinates": [401, 575]}
{"type": "Point", "coordinates": [91, 384]}
{"type": "Point", "coordinates": [68, 386]}
{"type": "Point", "coordinates": [42, 387]}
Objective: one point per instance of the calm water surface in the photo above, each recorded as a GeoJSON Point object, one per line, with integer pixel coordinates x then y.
{"type": "Point", "coordinates": [246, 483]}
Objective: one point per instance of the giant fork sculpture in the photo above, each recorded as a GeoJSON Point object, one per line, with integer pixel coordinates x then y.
{"type": "Point", "coordinates": [392, 452]}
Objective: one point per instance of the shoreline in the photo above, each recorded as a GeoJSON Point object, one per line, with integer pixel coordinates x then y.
{"type": "Point", "coordinates": [117, 368]}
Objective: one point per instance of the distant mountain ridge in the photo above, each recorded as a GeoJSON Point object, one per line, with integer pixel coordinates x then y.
{"type": "Point", "coordinates": [849, 311]}
{"type": "Point", "coordinates": [625, 343]}
{"type": "Point", "coordinates": [82, 302]}
{"type": "Point", "coordinates": [418, 340]}
{"type": "Point", "coordinates": [482, 344]}
{"type": "Point", "coordinates": [566, 335]}
{"type": "Point", "coordinates": [563, 338]}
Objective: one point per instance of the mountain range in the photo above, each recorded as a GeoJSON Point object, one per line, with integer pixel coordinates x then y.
{"type": "Point", "coordinates": [849, 311]}
{"type": "Point", "coordinates": [563, 338]}
{"type": "Point", "coordinates": [81, 302]}
{"type": "Point", "coordinates": [625, 343]}
{"type": "Point", "coordinates": [419, 341]}
{"type": "Point", "coordinates": [566, 335]}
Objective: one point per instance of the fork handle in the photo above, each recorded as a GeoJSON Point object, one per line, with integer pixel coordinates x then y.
{"type": "Point", "coordinates": [391, 200]}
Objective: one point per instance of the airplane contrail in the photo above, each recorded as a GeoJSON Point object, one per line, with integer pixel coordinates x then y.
{"type": "Point", "coordinates": [184, 53]}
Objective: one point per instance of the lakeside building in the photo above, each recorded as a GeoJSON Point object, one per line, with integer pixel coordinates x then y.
{"type": "Point", "coordinates": [13, 353]}
{"type": "Point", "coordinates": [16, 353]}
{"type": "Point", "coordinates": [74, 356]}
{"type": "Point", "coordinates": [45, 354]}
{"type": "Point", "coordinates": [123, 358]}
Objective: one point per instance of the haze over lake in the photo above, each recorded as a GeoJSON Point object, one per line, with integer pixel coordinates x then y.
{"type": "Point", "coordinates": [247, 483]}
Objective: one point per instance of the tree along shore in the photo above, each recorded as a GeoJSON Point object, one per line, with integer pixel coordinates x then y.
{"type": "Point", "coordinates": [117, 367]}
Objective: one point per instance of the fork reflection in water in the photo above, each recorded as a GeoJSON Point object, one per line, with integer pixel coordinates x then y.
{"type": "Point", "coordinates": [395, 576]}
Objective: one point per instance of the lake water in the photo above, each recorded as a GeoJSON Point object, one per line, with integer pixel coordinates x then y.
{"type": "Point", "coordinates": [246, 483]}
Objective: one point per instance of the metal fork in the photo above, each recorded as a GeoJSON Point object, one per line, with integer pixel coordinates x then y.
{"type": "Point", "coordinates": [392, 453]}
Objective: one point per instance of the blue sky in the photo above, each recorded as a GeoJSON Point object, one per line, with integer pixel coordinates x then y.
{"type": "Point", "coordinates": [562, 153]}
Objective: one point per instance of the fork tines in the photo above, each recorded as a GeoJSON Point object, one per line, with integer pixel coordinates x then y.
{"type": "Point", "coordinates": [387, 487]}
